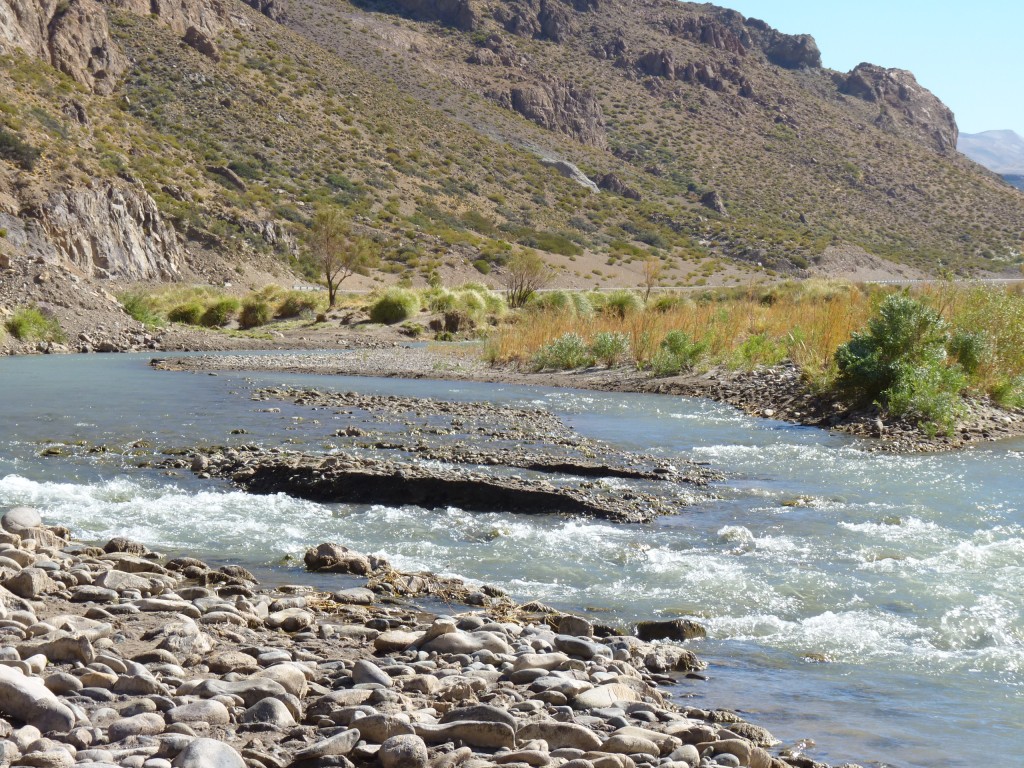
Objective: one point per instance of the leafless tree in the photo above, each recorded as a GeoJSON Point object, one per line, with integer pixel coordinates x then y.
{"type": "Point", "coordinates": [652, 276]}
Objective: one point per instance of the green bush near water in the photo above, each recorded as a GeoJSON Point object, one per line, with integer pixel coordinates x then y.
{"type": "Point", "coordinates": [677, 353]}
{"type": "Point", "coordinates": [255, 312]}
{"type": "Point", "coordinates": [395, 305]}
{"type": "Point", "coordinates": [190, 313]}
{"type": "Point", "coordinates": [30, 324]}
{"type": "Point", "coordinates": [610, 347]}
{"type": "Point", "coordinates": [901, 362]}
{"type": "Point", "coordinates": [220, 313]}
{"type": "Point", "coordinates": [567, 352]}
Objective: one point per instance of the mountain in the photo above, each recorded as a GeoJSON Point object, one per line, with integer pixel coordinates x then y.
{"type": "Point", "coordinates": [153, 141]}
{"type": "Point", "coordinates": [999, 151]}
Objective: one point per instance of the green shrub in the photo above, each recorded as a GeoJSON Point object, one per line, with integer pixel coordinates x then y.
{"type": "Point", "coordinates": [901, 363]}
{"type": "Point", "coordinates": [481, 266]}
{"type": "Point", "coordinates": [621, 303]}
{"type": "Point", "coordinates": [255, 312]}
{"type": "Point", "coordinates": [903, 332]}
{"type": "Point", "coordinates": [140, 307]}
{"type": "Point", "coordinates": [298, 304]}
{"type": "Point", "coordinates": [610, 347]}
{"type": "Point", "coordinates": [677, 353]}
{"type": "Point", "coordinates": [440, 300]}
{"type": "Point", "coordinates": [972, 350]}
{"type": "Point", "coordinates": [220, 313]}
{"type": "Point", "coordinates": [564, 353]}
{"type": "Point", "coordinates": [559, 302]}
{"type": "Point", "coordinates": [394, 306]}
{"type": "Point", "coordinates": [30, 324]}
{"type": "Point", "coordinates": [760, 349]}
{"type": "Point", "coordinates": [929, 393]}
{"type": "Point", "coordinates": [190, 313]}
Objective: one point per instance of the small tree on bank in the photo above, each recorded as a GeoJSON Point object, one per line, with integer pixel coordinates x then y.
{"type": "Point", "coordinates": [652, 276]}
{"type": "Point", "coordinates": [525, 274]}
{"type": "Point", "coordinates": [336, 252]}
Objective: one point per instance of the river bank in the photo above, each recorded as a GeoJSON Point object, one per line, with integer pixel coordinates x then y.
{"type": "Point", "coordinates": [116, 655]}
{"type": "Point", "coordinates": [776, 393]}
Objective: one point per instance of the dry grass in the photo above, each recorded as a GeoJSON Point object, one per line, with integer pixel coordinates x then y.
{"type": "Point", "coordinates": [805, 323]}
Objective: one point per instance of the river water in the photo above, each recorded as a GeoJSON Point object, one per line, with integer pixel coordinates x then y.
{"type": "Point", "coordinates": [872, 603]}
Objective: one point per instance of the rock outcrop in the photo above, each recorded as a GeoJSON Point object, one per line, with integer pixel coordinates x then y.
{"type": "Point", "coordinates": [543, 19]}
{"type": "Point", "coordinates": [716, 77]}
{"type": "Point", "coordinates": [109, 230]}
{"type": "Point", "coordinates": [903, 104]}
{"type": "Point", "coordinates": [559, 106]}
{"type": "Point", "coordinates": [73, 37]}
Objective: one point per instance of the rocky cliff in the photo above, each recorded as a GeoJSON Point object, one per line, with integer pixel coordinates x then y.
{"type": "Point", "coordinates": [108, 230]}
{"type": "Point", "coordinates": [903, 104]}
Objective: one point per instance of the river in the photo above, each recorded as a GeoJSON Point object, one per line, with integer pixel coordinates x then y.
{"type": "Point", "coordinates": [872, 603]}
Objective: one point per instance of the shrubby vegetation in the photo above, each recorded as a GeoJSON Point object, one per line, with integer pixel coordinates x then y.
{"type": "Point", "coordinates": [31, 324]}
{"type": "Point", "coordinates": [395, 305]}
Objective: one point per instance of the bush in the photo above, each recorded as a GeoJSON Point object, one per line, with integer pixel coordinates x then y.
{"type": "Point", "coordinates": [482, 267]}
{"type": "Point", "coordinates": [298, 304]}
{"type": "Point", "coordinates": [30, 324]}
{"type": "Point", "coordinates": [394, 306]}
{"type": "Point", "coordinates": [190, 313]}
{"type": "Point", "coordinates": [566, 352]}
{"type": "Point", "coordinates": [621, 303]}
{"type": "Point", "coordinates": [903, 332]}
{"type": "Point", "coordinates": [610, 347]}
{"type": "Point", "coordinates": [972, 350]}
{"type": "Point", "coordinates": [677, 353]}
{"type": "Point", "coordinates": [559, 302]}
{"type": "Point", "coordinates": [760, 349]}
{"type": "Point", "coordinates": [901, 363]}
{"type": "Point", "coordinates": [220, 313]}
{"type": "Point", "coordinates": [255, 312]}
{"type": "Point", "coordinates": [140, 307]}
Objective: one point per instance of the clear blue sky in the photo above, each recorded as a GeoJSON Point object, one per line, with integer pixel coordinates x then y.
{"type": "Point", "coordinates": [970, 54]}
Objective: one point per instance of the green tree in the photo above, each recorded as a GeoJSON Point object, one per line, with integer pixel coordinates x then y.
{"type": "Point", "coordinates": [337, 252]}
{"type": "Point", "coordinates": [525, 274]}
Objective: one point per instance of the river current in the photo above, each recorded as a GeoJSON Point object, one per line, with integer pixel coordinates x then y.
{"type": "Point", "coordinates": [872, 603]}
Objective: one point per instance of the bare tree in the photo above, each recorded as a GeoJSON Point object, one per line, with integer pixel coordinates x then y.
{"type": "Point", "coordinates": [337, 252]}
{"type": "Point", "coordinates": [652, 276]}
{"type": "Point", "coordinates": [525, 274]}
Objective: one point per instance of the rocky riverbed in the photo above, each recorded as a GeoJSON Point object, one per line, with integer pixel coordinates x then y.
{"type": "Point", "coordinates": [118, 656]}
{"type": "Point", "coordinates": [779, 392]}
{"type": "Point", "coordinates": [435, 454]}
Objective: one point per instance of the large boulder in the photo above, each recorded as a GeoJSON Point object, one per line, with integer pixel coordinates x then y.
{"type": "Point", "coordinates": [28, 700]}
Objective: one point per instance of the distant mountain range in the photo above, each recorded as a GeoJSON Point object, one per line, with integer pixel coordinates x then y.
{"type": "Point", "coordinates": [999, 151]}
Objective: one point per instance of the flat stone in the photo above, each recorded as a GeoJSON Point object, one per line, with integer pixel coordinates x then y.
{"type": "Point", "coordinates": [354, 596]}
{"type": "Point", "coordinates": [378, 728]}
{"type": "Point", "coordinates": [561, 735]}
{"type": "Point", "coordinates": [249, 691]}
{"type": "Point", "coordinates": [145, 724]}
{"type": "Point", "coordinates": [60, 648]}
{"type": "Point", "coordinates": [290, 620]}
{"type": "Point", "coordinates": [547, 661]}
{"type": "Point", "coordinates": [232, 661]}
{"type": "Point", "coordinates": [485, 735]}
{"type": "Point", "coordinates": [87, 593]}
{"type": "Point", "coordinates": [395, 640]}
{"type": "Point", "coordinates": [480, 713]}
{"type": "Point", "coordinates": [585, 649]}
{"type": "Point", "coordinates": [626, 744]}
{"type": "Point", "coordinates": [207, 711]}
{"type": "Point", "coordinates": [289, 675]}
{"type": "Point", "coordinates": [339, 744]}
{"type": "Point", "coordinates": [605, 696]}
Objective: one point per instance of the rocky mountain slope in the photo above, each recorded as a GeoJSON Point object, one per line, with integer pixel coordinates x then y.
{"type": "Point", "coordinates": [193, 140]}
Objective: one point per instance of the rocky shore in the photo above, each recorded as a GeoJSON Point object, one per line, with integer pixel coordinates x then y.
{"type": "Point", "coordinates": [118, 656]}
{"type": "Point", "coordinates": [777, 393]}
{"type": "Point", "coordinates": [436, 453]}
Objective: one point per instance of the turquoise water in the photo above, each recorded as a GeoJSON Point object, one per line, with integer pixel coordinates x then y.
{"type": "Point", "coordinates": [872, 603]}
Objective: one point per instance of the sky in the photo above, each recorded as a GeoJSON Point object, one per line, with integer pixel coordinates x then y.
{"type": "Point", "coordinates": [969, 54]}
